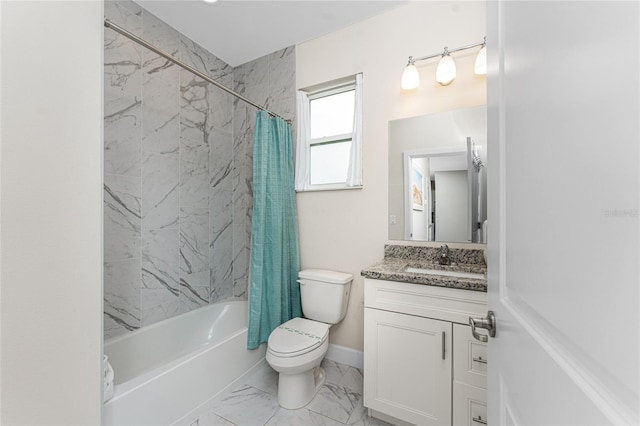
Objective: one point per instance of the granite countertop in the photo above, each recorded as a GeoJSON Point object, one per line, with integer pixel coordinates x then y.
{"type": "Point", "coordinates": [398, 258]}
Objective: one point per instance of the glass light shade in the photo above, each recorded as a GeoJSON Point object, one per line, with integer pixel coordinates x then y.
{"type": "Point", "coordinates": [480, 68]}
{"type": "Point", "coordinates": [446, 70]}
{"type": "Point", "coordinates": [410, 78]}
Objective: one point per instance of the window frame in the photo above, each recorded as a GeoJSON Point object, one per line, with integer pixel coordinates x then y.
{"type": "Point", "coordinates": [317, 92]}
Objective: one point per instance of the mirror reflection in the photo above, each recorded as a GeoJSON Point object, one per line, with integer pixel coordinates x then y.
{"type": "Point", "coordinates": [437, 177]}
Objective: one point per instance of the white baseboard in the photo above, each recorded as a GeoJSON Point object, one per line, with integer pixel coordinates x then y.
{"type": "Point", "coordinates": [345, 355]}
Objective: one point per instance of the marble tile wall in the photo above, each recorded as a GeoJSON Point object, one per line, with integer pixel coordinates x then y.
{"type": "Point", "coordinates": [122, 172]}
{"type": "Point", "coordinates": [268, 81]}
{"type": "Point", "coordinates": [178, 171]}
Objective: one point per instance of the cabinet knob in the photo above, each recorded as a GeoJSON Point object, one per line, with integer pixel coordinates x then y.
{"type": "Point", "coordinates": [480, 420]}
{"type": "Point", "coordinates": [480, 360]}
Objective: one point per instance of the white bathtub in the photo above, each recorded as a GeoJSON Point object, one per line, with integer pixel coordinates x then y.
{"type": "Point", "coordinates": [165, 371]}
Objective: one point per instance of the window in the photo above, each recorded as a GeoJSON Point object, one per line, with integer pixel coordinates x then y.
{"type": "Point", "coordinates": [331, 123]}
{"type": "Point", "coordinates": [329, 137]}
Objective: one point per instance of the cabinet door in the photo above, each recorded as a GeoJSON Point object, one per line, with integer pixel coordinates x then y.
{"type": "Point", "coordinates": [407, 362]}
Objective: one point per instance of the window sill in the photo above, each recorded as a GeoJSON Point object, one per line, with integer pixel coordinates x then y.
{"type": "Point", "coordinates": [333, 187]}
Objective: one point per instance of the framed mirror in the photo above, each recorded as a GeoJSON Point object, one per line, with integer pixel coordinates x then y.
{"type": "Point", "coordinates": [437, 177]}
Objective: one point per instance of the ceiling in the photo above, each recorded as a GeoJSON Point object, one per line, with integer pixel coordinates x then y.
{"type": "Point", "coordinates": [238, 31]}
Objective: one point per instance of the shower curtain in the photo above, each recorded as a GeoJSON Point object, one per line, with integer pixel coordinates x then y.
{"type": "Point", "coordinates": [274, 295]}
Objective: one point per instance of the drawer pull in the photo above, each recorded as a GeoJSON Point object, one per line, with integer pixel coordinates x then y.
{"type": "Point", "coordinates": [480, 360]}
{"type": "Point", "coordinates": [480, 420]}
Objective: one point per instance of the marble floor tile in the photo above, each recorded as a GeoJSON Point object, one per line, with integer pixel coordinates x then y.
{"type": "Point", "coordinates": [263, 378]}
{"type": "Point", "coordinates": [247, 406]}
{"type": "Point", "coordinates": [353, 379]}
{"type": "Point", "coordinates": [273, 389]}
{"type": "Point", "coordinates": [212, 419]}
{"type": "Point", "coordinates": [300, 417]}
{"type": "Point", "coordinates": [359, 417]}
{"type": "Point", "coordinates": [335, 371]}
{"type": "Point", "coordinates": [255, 402]}
{"type": "Point", "coordinates": [335, 401]}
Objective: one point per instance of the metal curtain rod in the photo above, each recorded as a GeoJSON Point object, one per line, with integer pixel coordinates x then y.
{"type": "Point", "coordinates": [447, 51]}
{"type": "Point", "coordinates": [133, 37]}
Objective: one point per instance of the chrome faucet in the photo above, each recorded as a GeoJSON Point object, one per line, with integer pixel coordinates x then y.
{"type": "Point", "coordinates": [443, 257]}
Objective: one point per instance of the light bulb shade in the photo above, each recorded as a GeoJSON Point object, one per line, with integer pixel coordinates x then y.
{"type": "Point", "coordinates": [480, 68]}
{"type": "Point", "coordinates": [446, 70]}
{"type": "Point", "coordinates": [410, 78]}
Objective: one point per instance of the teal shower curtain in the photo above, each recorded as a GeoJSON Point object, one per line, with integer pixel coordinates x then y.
{"type": "Point", "coordinates": [274, 295]}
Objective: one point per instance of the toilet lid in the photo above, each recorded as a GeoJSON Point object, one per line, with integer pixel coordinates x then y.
{"type": "Point", "coordinates": [297, 336]}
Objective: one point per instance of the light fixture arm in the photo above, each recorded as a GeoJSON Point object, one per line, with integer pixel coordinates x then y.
{"type": "Point", "coordinates": [446, 51]}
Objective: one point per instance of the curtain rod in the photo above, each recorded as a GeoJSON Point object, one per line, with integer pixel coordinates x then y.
{"type": "Point", "coordinates": [133, 37]}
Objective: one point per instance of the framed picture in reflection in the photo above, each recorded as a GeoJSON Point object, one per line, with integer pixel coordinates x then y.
{"type": "Point", "coordinates": [417, 190]}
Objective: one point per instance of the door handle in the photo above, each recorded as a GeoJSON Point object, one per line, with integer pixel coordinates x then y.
{"type": "Point", "coordinates": [488, 323]}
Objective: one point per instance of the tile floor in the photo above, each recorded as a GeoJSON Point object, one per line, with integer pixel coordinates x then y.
{"type": "Point", "coordinates": [255, 403]}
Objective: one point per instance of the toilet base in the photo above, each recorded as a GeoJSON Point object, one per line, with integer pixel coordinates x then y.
{"type": "Point", "coordinates": [297, 390]}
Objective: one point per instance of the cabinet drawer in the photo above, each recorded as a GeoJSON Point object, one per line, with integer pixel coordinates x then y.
{"type": "Point", "coordinates": [447, 304]}
{"type": "Point", "coordinates": [469, 357]}
{"type": "Point", "coordinates": [469, 405]}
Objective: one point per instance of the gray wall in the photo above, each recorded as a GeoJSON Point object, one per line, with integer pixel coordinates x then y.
{"type": "Point", "coordinates": [178, 171]}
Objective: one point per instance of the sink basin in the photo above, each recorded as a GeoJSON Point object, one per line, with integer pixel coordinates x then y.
{"type": "Point", "coordinates": [456, 274]}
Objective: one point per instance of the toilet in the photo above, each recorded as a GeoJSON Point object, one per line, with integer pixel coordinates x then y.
{"type": "Point", "coordinates": [296, 348]}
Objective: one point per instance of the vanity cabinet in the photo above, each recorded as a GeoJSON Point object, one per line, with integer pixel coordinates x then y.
{"type": "Point", "coordinates": [411, 377]}
{"type": "Point", "coordinates": [422, 365]}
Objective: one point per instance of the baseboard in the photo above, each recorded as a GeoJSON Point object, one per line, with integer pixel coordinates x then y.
{"type": "Point", "coordinates": [345, 355]}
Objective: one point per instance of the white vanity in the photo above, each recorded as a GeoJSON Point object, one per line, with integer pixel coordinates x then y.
{"type": "Point", "coordinates": [421, 363]}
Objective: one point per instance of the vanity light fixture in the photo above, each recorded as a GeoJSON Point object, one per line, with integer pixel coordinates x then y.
{"type": "Point", "coordinates": [410, 76]}
{"type": "Point", "coordinates": [480, 67]}
{"type": "Point", "coordinates": [446, 69]}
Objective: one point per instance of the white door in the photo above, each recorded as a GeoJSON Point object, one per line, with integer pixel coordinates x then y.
{"type": "Point", "coordinates": [452, 208]}
{"type": "Point", "coordinates": [564, 121]}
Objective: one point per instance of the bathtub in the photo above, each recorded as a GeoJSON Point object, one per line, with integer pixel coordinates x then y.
{"type": "Point", "coordinates": [167, 370]}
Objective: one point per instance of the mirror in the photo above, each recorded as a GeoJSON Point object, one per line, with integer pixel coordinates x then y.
{"type": "Point", "coordinates": [437, 177]}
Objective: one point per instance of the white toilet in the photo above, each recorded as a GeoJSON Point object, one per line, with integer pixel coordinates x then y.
{"type": "Point", "coordinates": [296, 348]}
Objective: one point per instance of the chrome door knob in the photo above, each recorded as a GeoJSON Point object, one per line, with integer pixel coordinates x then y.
{"type": "Point", "coordinates": [488, 323]}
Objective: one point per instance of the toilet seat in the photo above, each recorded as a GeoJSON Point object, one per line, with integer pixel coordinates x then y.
{"type": "Point", "coordinates": [297, 337]}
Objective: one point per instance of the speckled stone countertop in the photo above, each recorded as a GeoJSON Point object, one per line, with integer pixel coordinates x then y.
{"type": "Point", "coordinates": [397, 258]}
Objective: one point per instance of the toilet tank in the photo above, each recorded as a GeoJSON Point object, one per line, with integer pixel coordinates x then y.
{"type": "Point", "coordinates": [324, 294]}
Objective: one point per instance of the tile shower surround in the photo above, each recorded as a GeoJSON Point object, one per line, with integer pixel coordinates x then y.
{"type": "Point", "coordinates": [178, 170]}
